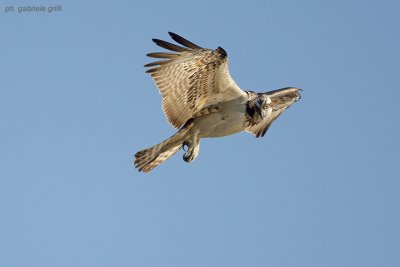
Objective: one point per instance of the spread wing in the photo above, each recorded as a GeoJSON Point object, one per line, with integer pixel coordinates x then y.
{"type": "Point", "coordinates": [191, 78]}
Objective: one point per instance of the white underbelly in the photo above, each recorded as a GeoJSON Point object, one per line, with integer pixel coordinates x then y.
{"type": "Point", "coordinates": [219, 124]}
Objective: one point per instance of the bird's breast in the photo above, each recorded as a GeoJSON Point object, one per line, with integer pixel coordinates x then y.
{"type": "Point", "coordinates": [223, 123]}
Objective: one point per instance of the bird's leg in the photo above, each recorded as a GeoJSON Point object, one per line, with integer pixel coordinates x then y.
{"type": "Point", "coordinates": [193, 147]}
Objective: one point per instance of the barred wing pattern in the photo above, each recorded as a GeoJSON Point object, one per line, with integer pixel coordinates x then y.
{"type": "Point", "coordinates": [191, 79]}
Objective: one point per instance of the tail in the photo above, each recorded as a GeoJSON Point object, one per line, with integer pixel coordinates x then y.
{"type": "Point", "coordinates": [148, 159]}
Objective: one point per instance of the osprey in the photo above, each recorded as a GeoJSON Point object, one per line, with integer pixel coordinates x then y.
{"type": "Point", "coordinates": [200, 98]}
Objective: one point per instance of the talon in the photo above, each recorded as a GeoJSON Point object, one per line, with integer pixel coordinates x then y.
{"type": "Point", "coordinates": [186, 145]}
{"type": "Point", "coordinates": [190, 151]}
{"type": "Point", "coordinates": [188, 156]}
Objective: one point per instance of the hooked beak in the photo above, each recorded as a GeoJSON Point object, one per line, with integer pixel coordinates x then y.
{"type": "Point", "coordinates": [263, 114]}
{"type": "Point", "coordinates": [260, 110]}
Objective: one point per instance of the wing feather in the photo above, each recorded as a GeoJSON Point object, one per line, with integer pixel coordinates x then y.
{"type": "Point", "coordinates": [162, 55]}
{"type": "Point", "coordinates": [183, 41]}
{"type": "Point", "coordinates": [191, 79]}
{"type": "Point", "coordinates": [155, 63]}
{"type": "Point", "coordinates": [169, 46]}
{"type": "Point", "coordinates": [260, 129]}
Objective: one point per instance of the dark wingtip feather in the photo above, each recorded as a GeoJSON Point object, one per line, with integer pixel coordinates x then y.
{"type": "Point", "coordinates": [221, 51]}
{"type": "Point", "coordinates": [179, 39]}
{"type": "Point", "coordinates": [264, 131]}
{"type": "Point", "coordinates": [169, 46]}
{"type": "Point", "coordinates": [156, 63]}
{"type": "Point", "coordinates": [162, 55]}
{"type": "Point", "coordinates": [152, 70]}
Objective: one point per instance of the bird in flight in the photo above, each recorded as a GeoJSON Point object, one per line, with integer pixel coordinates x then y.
{"type": "Point", "coordinates": [201, 100]}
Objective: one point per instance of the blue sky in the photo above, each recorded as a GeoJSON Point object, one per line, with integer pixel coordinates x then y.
{"type": "Point", "coordinates": [320, 189]}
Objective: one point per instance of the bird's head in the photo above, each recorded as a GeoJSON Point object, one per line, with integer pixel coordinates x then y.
{"type": "Point", "coordinates": [263, 104]}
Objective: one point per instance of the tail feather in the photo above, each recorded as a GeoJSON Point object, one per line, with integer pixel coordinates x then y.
{"type": "Point", "coordinates": [148, 159]}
